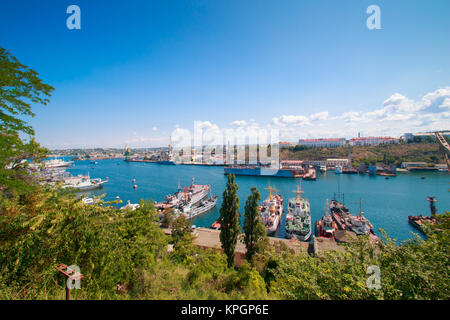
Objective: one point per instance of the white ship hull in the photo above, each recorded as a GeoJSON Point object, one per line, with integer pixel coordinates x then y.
{"type": "Point", "coordinates": [202, 208]}
{"type": "Point", "coordinates": [198, 197]}
{"type": "Point", "coordinates": [85, 185]}
{"type": "Point", "coordinates": [274, 226]}
{"type": "Point", "coordinates": [89, 187]}
{"type": "Point", "coordinates": [56, 163]}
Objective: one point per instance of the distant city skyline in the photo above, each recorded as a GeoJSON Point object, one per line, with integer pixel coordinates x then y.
{"type": "Point", "coordinates": [138, 71]}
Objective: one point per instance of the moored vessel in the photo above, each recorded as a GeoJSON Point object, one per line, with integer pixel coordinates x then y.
{"type": "Point", "coordinates": [326, 227]}
{"type": "Point", "coordinates": [359, 224]}
{"type": "Point", "coordinates": [187, 197]}
{"type": "Point", "coordinates": [203, 207]}
{"type": "Point", "coordinates": [273, 170]}
{"type": "Point", "coordinates": [84, 183]}
{"type": "Point", "coordinates": [271, 211]}
{"type": "Point", "coordinates": [56, 163]}
{"type": "Point", "coordinates": [298, 218]}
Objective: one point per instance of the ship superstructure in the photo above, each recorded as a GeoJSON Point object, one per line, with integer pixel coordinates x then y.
{"type": "Point", "coordinates": [298, 218]}
{"type": "Point", "coordinates": [271, 211]}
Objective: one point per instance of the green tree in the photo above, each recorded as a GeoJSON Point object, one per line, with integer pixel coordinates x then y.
{"type": "Point", "coordinates": [20, 87]}
{"type": "Point", "coordinates": [254, 229]}
{"type": "Point", "coordinates": [181, 231]}
{"type": "Point", "coordinates": [229, 220]}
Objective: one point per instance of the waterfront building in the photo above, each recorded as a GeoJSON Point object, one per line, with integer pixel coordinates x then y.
{"type": "Point", "coordinates": [291, 163]}
{"type": "Point", "coordinates": [315, 163]}
{"type": "Point", "coordinates": [331, 142]}
{"type": "Point", "coordinates": [337, 162]}
{"type": "Point", "coordinates": [407, 165]}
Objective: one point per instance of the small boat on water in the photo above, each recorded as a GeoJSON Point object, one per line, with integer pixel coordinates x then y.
{"type": "Point", "coordinates": [84, 183]}
{"type": "Point", "coordinates": [349, 170]}
{"type": "Point", "coordinates": [298, 218]}
{"type": "Point", "coordinates": [338, 169]}
{"type": "Point", "coordinates": [271, 211]}
{"type": "Point", "coordinates": [310, 174]}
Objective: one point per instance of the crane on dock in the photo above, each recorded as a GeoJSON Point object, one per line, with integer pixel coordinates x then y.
{"type": "Point", "coordinates": [444, 146]}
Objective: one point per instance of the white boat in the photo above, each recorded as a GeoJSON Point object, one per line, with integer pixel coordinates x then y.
{"type": "Point", "coordinates": [56, 163]}
{"type": "Point", "coordinates": [84, 183]}
{"type": "Point", "coordinates": [185, 198]}
{"type": "Point", "coordinates": [203, 207]}
{"type": "Point", "coordinates": [338, 169]}
{"type": "Point", "coordinates": [323, 168]}
{"type": "Point", "coordinates": [271, 211]}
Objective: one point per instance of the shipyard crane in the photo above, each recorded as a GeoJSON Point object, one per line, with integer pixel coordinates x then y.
{"type": "Point", "coordinates": [445, 148]}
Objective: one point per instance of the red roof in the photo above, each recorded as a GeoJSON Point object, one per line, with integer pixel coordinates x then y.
{"type": "Point", "coordinates": [318, 140]}
{"type": "Point", "coordinates": [369, 138]}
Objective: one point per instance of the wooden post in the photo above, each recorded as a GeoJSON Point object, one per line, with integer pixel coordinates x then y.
{"type": "Point", "coordinates": [67, 292]}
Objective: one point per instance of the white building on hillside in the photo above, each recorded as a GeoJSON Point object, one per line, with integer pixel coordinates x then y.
{"type": "Point", "coordinates": [372, 141]}
{"type": "Point", "coordinates": [331, 142]}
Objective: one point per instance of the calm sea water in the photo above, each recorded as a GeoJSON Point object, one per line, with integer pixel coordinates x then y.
{"type": "Point", "coordinates": [386, 203]}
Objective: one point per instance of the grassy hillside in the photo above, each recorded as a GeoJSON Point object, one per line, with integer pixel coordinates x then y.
{"type": "Point", "coordinates": [41, 227]}
{"type": "Point", "coordinates": [392, 154]}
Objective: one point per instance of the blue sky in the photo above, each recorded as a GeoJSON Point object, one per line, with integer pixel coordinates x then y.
{"type": "Point", "coordinates": [139, 69]}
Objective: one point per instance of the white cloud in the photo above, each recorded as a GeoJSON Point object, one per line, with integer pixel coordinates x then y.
{"type": "Point", "coordinates": [397, 115]}
{"type": "Point", "coordinates": [394, 116]}
{"type": "Point", "coordinates": [291, 120]}
{"type": "Point", "coordinates": [155, 129]}
{"type": "Point", "coordinates": [239, 123]}
{"type": "Point", "coordinates": [138, 140]}
{"type": "Point", "coordinates": [319, 116]}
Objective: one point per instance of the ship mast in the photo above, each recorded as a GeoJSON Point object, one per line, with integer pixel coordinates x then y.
{"type": "Point", "coordinates": [360, 211]}
{"type": "Point", "coordinates": [298, 192]}
{"type": "Point", "coordinates": [270, 191]}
